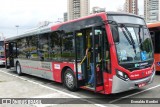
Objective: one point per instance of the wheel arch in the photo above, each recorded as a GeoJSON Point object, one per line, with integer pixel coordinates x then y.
{"type": "Point", "coordinates": [17, 62]}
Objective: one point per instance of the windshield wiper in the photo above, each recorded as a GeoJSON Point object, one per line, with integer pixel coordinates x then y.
{"type": "Point", "coordinates": [131, 41]}
{"type": "Point", "coordinates": [126, 36]}
{"type": "Point", "coordinates": [139, 34]}
{"type": "Point", "coordinates": [140, 39]}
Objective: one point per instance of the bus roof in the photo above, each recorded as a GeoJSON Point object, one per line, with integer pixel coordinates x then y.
{"type": "Point", "coordinates": [123, 13]}
{"type": "Point", "coordinates": [54, 27]}
{"type": "Point", "coordinates": [153, 25]}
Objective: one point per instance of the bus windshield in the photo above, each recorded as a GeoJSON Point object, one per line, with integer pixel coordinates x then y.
{"type": "Point", "coordinates": [135, 44]}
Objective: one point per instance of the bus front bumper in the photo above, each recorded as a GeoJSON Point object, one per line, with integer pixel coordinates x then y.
{"type": "Point", "coordinates": [120, 85]}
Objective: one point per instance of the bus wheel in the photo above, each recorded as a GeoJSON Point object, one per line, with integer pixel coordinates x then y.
{"type": "Point", "coordinates": [18, 69]}
{"type": "Point", "coordinates": [69, 80]}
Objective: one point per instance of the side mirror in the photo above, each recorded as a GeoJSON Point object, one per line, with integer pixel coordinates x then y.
{"type": "Point", "coordinates": [115, 33]}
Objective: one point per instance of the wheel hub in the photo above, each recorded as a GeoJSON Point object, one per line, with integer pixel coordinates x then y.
{"type": "Point", "coordinates": [69, 80]}
{"type": "Point", "coordinates": [18, 68]}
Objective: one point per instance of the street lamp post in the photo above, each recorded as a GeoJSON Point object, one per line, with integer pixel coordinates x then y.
{"type": "Point", "coordinates": [2, 37]}
{"type": "Point", "coordinates": [17, 29]}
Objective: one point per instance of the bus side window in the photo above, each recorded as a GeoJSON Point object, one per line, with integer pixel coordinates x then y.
{"type": "Point", "coordinates": [68, 52]}
{"type": "Point", "coordinates": [55, 46]}
{"type": "Point", "coordinates": [33, 40]}
{"type": "Point", "coordinates": [21, 47]}
{"type": "Point", "coordinates": [43, 47]}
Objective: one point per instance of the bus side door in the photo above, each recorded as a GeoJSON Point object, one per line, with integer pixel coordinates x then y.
{"type": "Point", "coordinates": [89, 38]}
{"type": "Point", "coordinates": [10, 54]}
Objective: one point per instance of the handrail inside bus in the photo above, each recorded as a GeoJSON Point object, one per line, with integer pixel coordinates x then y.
{"type": "Point", "coordinates": [83, 59]}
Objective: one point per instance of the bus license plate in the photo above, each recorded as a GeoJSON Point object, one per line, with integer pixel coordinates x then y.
{"type": "Point", "coordinates": [141, 85]}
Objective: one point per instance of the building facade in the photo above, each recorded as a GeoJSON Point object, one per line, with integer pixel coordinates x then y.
{"type": "Point", "coordinates": [131, 6]}
{"type": "Point", "coordinates": [65, 17]}
{"type": "Point", "coordinates": [151, 10]}
{"type": "Point", "coordinates": [77, 8]}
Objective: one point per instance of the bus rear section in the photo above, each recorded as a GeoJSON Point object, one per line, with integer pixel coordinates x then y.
{"type": "Point", "coordinates": [154, 29]}
{"type": "Point", "coordinates": [2, 58]}
{"type": "Point", "coordinates": [114, 48]}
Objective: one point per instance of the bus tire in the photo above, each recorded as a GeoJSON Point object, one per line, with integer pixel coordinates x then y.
{"type": "Point", "coordinates": [69, 80]}
{"type": "Point", "coordinates": [18, 69]}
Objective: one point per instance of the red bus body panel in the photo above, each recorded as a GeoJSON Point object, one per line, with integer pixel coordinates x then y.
{"type": "Point", "coordinates": [156, 26]}
{"type": "Point", "coordinates": [57, 69]}
{"type": "Point", "coordinates": [157, 61]}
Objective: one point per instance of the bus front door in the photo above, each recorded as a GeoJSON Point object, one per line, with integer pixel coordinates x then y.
{"type": "Point", "coordinates": [89, 66]}
{"type": "Point", "coordinates": [96, 64]}
{"type": "Point", "coordinates": [10, 54]}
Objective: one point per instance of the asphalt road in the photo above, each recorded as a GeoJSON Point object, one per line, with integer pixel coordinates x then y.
{"type": "Point", "coordinates": [49, 91]}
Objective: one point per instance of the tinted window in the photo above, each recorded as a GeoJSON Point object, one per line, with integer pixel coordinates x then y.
{"type": "Point", "coordinates": [62, 46]}
{"type": "Point", "coordinates": [80, 45]}
{"type": "Point", "coordinates": [55, 46]}
{"type": "Point", "coordinates": [33, 44]}
{"type": "Point", "coordinates": [22, 47]}
{"type": "Point", "coordinates": [1, 56]}
{"type": "Point", "coordinates": [68, 52]}
{"type": "Point", "coordinates": [43, 47]}
{"type": "Point", "coordinates": [1, 43]}
{"type": "Point", "coordinates": [1, 48]}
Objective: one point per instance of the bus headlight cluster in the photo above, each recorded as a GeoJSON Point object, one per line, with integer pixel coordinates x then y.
{"type": "Point", "coordinates": [122, 75]}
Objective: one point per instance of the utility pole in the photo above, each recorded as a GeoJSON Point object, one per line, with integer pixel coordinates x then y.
{"type": "Point", "coordinates": [17, 29]}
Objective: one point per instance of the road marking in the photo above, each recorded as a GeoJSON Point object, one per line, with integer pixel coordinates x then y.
{"type": "Point", "coordinates": [134, 94]}
{"type": "Point", "coordinates": [73, 96]}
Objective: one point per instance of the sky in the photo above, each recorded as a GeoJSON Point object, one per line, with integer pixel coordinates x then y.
{"type": "Point", "coordinates": [28, 13]}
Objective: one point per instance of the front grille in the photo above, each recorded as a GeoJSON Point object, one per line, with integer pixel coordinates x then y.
{"type": "Point", "coordinates": [133, 66]}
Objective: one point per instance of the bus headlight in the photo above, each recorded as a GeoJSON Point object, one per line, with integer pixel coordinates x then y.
{"type": "Point", "coordinates": [122, 75]}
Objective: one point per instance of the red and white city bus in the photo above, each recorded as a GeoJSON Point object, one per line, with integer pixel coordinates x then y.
{"type": "Point", "coordinates": [124, 61]}
{"type": "Point", "coordinates": [154, 29]}
{"type": "Point", "coordinates": [2, 58]}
